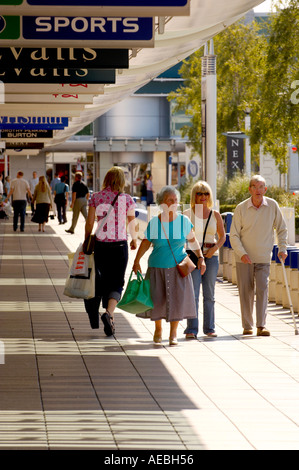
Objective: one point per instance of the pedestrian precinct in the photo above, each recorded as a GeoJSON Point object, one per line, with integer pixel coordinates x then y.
{"type": "Point", "coordinates": [172, 294]}
{"type": "Point", "coordinates": [44, 202]}
{"type": "Point", "coordinates": [252, 239]}
{"type": "Point", "coordinates": [32, 184]}
{"type": "Point", "coordinates": [113, 210]}
{"type": "Point", "coordinates": [19, 190]}
{"type": "Point", "coordinates": [61, 195]}
{"type": "Point", "coordinates": [209, 231]}
{"type": "Point", "coordinates": [80, 195]}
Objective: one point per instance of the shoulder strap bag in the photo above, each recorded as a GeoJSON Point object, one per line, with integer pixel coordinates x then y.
{"type": "Point", "coordinates": [88, 245]}
{"type": "Point", "coordinates": [186, 266]}
{"type": "Point", "coordinates": [190, 252]}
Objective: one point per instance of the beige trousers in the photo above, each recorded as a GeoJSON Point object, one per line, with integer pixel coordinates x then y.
{"type": "Point", "coordinates": [253, 278]}
{"type": "Point", "coordinates": [80, 205]}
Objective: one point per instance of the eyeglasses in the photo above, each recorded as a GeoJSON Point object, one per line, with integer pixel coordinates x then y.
{"type": "Point", "coordinates": [202, 194]}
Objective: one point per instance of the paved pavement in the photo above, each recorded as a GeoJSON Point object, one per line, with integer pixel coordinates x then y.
{"type": "Point", "coordinates": [65, 386]}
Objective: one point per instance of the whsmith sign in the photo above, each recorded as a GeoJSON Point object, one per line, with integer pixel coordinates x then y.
{"type": "Point", "coordinates": [33, 122]}
{"type": "Point", "coordinates": [65, 31]}
{"type": "Point", "coordinates": [94, 7]}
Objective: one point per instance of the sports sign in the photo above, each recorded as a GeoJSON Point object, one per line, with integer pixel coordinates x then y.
{"type": "Point", "coordinates": [66, 31]}
{"type": "Point", "coordinates": [104, 7]}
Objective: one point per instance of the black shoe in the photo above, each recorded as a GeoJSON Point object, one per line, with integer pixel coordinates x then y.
{"type": "Point", "coordinates": [108, 324]}
{"type": "Point", "coordinates": [69, 231]}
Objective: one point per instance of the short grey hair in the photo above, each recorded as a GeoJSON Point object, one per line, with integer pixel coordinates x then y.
{"type": "Point", "coordinates": [257, 178]}
{"type": "Point", "coordinates": [160, 198]}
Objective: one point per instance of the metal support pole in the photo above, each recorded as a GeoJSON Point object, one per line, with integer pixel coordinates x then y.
{"type": "Point", "coordinates": [209, 103]}
{"type": "Point", "coordinates": [247, 144]}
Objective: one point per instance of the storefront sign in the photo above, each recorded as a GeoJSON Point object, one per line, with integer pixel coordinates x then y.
{"type": "Point", "coordinates": [235, 154]}
{"type": "Point", "coordinates": [65, 31]}
{"type": "Point", "coordinates": [64, 58]}
{"type": "Point", "coordinates": [24, 145]}
{"type": "Point", "coordinates": [48, 75]}
{"type": "Point", "coordinates": [107, 7]}
{"type": "Point", "coordinates": [26, 134]}
{"type": "Point", "coordinates": [33, 122]}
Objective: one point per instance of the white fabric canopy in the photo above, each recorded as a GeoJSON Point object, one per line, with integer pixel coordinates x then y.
{"type": "Point", "coordinates": [182, 36]}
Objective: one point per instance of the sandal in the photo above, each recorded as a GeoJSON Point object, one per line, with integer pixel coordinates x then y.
{"type": "Point", "coordinates": [190, 336]}
{"type": "Point", "coordinates": [107, 319]}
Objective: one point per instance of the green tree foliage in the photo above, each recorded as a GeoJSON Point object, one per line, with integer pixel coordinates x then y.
{"type": "Point", "coordinates": [240, 58]}
{"type": "Point", "coordinates": [257, 68]}
{"type": "Point", "coordinates": [278, 121]}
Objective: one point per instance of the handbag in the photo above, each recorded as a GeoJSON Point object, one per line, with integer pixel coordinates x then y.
{"type": "Point", "coordinates": [137, 296]}
{"type": "Point", "coordinates": [190, 252]}
{"type": "Point", "coordinates": [186, 266]}
{"type": "Point", "coordinates": [89, 243]}
{"type": "Point", "coordinates": [80, 287]}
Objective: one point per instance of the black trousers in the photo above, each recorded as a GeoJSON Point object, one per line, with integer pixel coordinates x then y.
{"type": "Point", "coordinates": [111, 259]}
{"type": "Point", "coordinates": [19, 209]}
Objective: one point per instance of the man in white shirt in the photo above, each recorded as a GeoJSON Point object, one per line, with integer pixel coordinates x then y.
{"type": "Point", "coordinates": [19, 189]}
{"type": "Point", "coordinates": [252, 239]}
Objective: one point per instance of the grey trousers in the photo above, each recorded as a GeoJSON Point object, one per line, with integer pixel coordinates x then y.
{"type": "Point", "coordinates": [253, 278]}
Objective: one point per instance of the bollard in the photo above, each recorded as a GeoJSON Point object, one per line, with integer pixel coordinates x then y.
{"type": "Point", "coordinates": [294, 279]}
{"type": "Point", "coordinates": [285, 298]}
{"type": "Point", "coordinates": [272, 277]}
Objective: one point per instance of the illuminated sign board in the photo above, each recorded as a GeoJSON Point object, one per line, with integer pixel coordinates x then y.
{"type": "Point", "coordinates": [66, 31]}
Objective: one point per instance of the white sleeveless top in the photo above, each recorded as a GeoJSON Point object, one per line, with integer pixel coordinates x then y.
{"type": "Point", "coordinates": [199, 228]}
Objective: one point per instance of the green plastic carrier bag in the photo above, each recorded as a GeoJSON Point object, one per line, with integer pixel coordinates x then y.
{"type": "Point", "coordinates": [137, 296]}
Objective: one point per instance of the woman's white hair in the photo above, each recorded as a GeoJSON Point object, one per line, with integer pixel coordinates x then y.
{"type": "Point", "coordinates": [160, 198]}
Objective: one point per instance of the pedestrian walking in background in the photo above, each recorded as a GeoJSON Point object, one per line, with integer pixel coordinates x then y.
{"type": "Point", "coordinates": [6, 186]}
{"type": "Point", "coordinates": [172, 294]}
{"type": "Point", "coordinates": [61, 194]}
{"type": "Point", "coordinates": [111, 246]}
{"type": "Point", "coordinates": [149, 190]}
{"type": "Point", "coordinates": [209, 231]}
{"type": "Point", "coordinates": [43, 198]}
{"type": "Point", "coordinates": [80, 196]}
{"type": "Point", "coordinates": [32, 184]}
{"type": "Point", "coordinates": [252, 239]}
{"type": "Point", "coordinates": [19, 189]}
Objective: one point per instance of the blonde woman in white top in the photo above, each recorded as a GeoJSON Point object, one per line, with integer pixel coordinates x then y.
{"type": "Point", "coordinates": [202, 214]}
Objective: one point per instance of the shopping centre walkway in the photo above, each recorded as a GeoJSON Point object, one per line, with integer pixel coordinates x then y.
{"type": "Point", "coordinates": [65, 386]}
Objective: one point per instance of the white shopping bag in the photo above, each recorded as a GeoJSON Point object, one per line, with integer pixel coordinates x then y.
{"type": "Point", "coordinates": [80, 287]}
{"type": "Point", "coordinates": [80, 263]}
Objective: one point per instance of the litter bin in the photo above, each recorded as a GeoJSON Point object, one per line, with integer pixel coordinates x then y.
{"type": "Point", "coordinates": [227, 220]}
